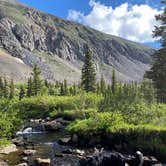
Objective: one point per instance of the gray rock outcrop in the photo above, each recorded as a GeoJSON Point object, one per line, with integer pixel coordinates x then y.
{"type": "Point", "coordinates": [57, 45]}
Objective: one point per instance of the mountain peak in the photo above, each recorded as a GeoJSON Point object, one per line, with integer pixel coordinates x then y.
{"type": "Point", "coordinates": [57, 46]}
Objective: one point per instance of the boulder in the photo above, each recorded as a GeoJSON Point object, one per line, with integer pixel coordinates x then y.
{"type": "Point", "coordinates": [8, 149]}
{"type": "Point", "coordinates": [64, 141]}
{"type": "Point", "coordinates": [74, 139]}
{"type": "Point", "coordinates": [68, 151]}
{"type": "Point", "coordinates": [22, 164]}
{"type": "Point", "coordinates": [24, 159]}
{"type": "Point", "coordinates": [29, 152]}
{"type": "Point", "coordinates": [19, 141]}
{"type": "Point", "coordinates": [78, 152]}
{"type": "Point", "coordinates": [104, 159]}
{"type": "Point", "coordinates": [150, 160]}
{"type": "Point", "coordinates": [42, 162]}
{"type": "Point", "coordinates": [52, 126]}
{"type": "Point", "coordinates": [59, 155]}
{"type": "Point", "coordinates": [2, 163]}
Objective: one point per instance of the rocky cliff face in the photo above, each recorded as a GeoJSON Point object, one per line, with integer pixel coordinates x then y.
{"type": "Point", "coordinates": [57, 45]}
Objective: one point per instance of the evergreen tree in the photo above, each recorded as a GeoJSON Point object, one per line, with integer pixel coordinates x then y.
{"type": "Point", "coordinates": [46, 83]}
{"type": "Point", "coordinates": [74, 89]}
{"type": "Point", "coordinates": [22, 93]}
{"type": "Point", "coordinates": [1, 83]}
{"type": "Point", "coordinates": [158, 70]}
{"type": "Point", "coordinates": [88, 73]}
{"type": "Point", "coordinates": [98, 88]}
{"type": "Point", "coordinates": [29, 87]}
{"type": "Point", "coordinates": [11, 94]}
{"type": "Point", "coordinates": [65, 87]}
{"type": "Point", "coordinates": [113, 85]}
{"type": "Point", "coordinates": [62, 93]}
{"type": "Point", "coordinates": [1, 87]}
{"type": "Point", "coordinates": [102, 85]}
{"type": "Point", "coordinates": [37, 83]}
{"type": "Point", "coordinates": [5, 89]}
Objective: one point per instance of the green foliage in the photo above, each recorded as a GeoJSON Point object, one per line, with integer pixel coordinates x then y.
{"type": "Point", "coordinates": [158, 70]}
{"type": "Point", "coordinates": [29, 87]}
{"type": "Point", "coordinates": [37, 82]}
{"type": "Point", "coordinates": [88, 73]}
{"type": "Point", "coordinates": [127, 95]}
{"type": "Point", "coordinates": [41, 106]}
{"type": "Point", "coordinates": [22, 92]}
{"type": "Point", "coordinates": [11, 92]}
{"type": "Point", "coordinates": [5, 89]}
{"type": "Point", "coordinates": [9, 120]}
{"type": "Point", "coordinates": [113, 85]}
{"type": "Point", "coordinates": [96, 124]}
{"type": "Point", "coordinates": [74, 114]}
{"type": "Point", "coordinates": [158, 74]}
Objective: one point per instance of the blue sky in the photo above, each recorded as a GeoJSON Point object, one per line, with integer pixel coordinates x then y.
{"type": "Point", "coordinates": [134, 23]}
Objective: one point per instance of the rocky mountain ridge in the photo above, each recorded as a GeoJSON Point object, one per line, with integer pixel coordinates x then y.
{"type": "Point", "coordinates": [57, 45]}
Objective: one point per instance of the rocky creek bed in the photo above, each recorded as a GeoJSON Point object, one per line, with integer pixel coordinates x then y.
{"type": "Point", "coordinates": [45, 143]}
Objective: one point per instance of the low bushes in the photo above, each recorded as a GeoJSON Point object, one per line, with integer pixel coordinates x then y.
{"type": "Point", "coordinates": [41, 106]}
{"type": "Point", "coordinates": [96, 124]}
{"type": "Point", "coordinates": [74, 114]}
{"type": "Point", "coordinates": [9, 120]}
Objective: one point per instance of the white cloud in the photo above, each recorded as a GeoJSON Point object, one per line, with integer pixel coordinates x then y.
{"type": "Point", "coordinates": [134, 22]}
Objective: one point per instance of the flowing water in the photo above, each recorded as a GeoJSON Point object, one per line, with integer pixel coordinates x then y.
{"type": "Point", "coordinates": [46, 146]}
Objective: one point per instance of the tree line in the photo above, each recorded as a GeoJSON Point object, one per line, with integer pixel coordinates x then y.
{"type": "Point", "coordinates": [152, 88]}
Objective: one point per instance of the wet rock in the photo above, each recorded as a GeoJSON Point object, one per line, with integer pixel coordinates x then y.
{"type": "Point", "coordinates": [3, 163]}
{"type": "Point", "coordinates": [29, 152]}
{"type": "Point", "coordinates": [22, 164]}
{"type": "Point", "coordinates": [64, 141]}
{"type": "Point", "coordinates": [37, 121]}
{"type": "Point", "coordinates": [42, 162]}
{"type": "Point", "coordinates": [78, 152]}
{"type": "Point", "coordinates": [48, 119]}
{"type": "Point", "coordinates": [8, 149]}
{"type": "Point", "coordinates": [68, 151]}
{"type": "Point", "coordinates": [52, 126]}
{"type": "Point", "coordinates": [94, 141]}
{"type": "Point", "coordinates": [74, 139]}
{"type": "Point", "coordinates": [150, 160]}
{"type": "Point", "coordinates": [24, 159]}
{"type": "Point", "coordinates": [63, 121]}
{"type": "Point", "coordinates": [103, 158]}
{"type": "Point", "coordinates": [19, 141]}
{"type": "Point", "coordinates": [59, 154]}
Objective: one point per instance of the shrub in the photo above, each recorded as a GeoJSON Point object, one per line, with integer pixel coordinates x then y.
{"type": "Point", "coordinates": [96, 124]}
{"type": "Point", "coordinates": [41, 106]}
{"type": "Point", "coordinates": [74, 114]}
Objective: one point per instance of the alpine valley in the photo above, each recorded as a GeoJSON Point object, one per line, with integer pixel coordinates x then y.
{"type": "Point", "coordinates": [29, 36]}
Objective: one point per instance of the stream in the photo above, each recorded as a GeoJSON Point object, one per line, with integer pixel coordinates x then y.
{"type": "Point", "coordinates": [46, 146]}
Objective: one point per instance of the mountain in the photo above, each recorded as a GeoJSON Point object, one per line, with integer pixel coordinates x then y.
{"type": "Point", "coordinates": [57, 47]}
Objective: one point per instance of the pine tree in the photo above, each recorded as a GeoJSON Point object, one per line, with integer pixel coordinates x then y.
{"type": "Point", "coordinates": [62, 93]}
{"type": "Point", "coordinates": [158, 70]}
{"type": "Point", "coordinates": [5, 89]}
{"type": "Point", "coordinates": [98, 88]}
{"type": "Point", "coordinates": [113, 85]}
{"type": "Point", "coordinates": [37, 83]}
{"type": "Point", "coordinates": [22, 93]}
{"type": "Point", "coordinates": [88, 73]}
{"type": "Point", "coordinates": [1, 87]}
{"type": "Point", "coordinates": [29, 87]}
{"type": "Point", "coordinates": [11, 92]}
{"type": "Point", "coordinates": [65, 87]}
{"type": "Point", "coordinates": [74, 89]}
{"type": "Point", "coordinates": [102, 85]}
